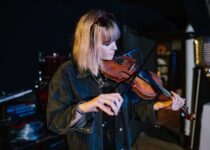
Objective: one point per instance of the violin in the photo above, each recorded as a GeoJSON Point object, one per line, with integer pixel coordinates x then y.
{"type": "Point", "coordinates": [146, 84]}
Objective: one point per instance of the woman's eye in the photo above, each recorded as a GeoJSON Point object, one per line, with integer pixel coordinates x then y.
{"type": "Point", "coordinates": [106, 44]}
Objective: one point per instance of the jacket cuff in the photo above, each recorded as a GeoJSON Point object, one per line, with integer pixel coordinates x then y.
{"type": "Point", "coordinates": [145, 112]}
{"type": "Point", "coordinates": [85, 123]}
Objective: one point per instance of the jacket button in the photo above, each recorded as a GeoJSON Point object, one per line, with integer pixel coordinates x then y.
{"type": "Point", "coordinates": [103, 124]}
{"type": "Point", "coordinates": [87, 130]}
{"type": "Point", "coordinates": [120, 129]}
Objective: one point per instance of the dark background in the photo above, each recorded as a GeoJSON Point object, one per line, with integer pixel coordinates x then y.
{"type": "Point", "coordinates": [31, 26]}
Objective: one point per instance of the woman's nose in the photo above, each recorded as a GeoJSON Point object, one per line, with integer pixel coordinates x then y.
{"type": "Point", "coordinates": [114, 46]}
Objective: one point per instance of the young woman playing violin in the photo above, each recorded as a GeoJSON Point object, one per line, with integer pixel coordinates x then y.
{"type": "Point", "coordinates": [80, 103]}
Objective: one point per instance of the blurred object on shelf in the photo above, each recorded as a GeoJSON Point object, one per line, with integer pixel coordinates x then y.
{"type": "Point", "coordinates": [202, 53]}
{"type": "Point", "coordinates": [17, 105]}
{"type": "Point", "coordinates": [27, 131]}
{"type": "Point", "coordinates": [162, 61]}
{"type": "Point", "coordinates": [48, 64]}
{"type": "Point", "coordinates": [21, 110]}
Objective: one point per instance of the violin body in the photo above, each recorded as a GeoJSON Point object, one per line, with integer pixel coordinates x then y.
{"type": "Point", "coordinates": [121, 72]}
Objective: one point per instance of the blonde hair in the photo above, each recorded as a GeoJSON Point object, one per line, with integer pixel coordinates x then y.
{"type": "Point", "coordinates": [92, 28]}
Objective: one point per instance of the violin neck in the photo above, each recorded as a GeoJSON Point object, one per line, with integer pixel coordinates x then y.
{"type": "Point", "coordinates": [145, 75]}
{"type": "Point", "coordinates": [164, 91]}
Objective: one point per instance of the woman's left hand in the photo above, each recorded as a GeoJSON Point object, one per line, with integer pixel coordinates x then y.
{"type": "Point", "coordinates": [177, 101]}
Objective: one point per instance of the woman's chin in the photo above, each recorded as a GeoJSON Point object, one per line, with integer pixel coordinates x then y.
{"type": "Point", "coordinates": [108, 58]}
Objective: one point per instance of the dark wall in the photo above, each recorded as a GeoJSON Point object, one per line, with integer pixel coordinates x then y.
{"type": "Point", "coordinates": [30, 27]}
{"type": "Point", "coordinates": [33, 26]}
{"type": "Point", "coordinates": [199, 16]}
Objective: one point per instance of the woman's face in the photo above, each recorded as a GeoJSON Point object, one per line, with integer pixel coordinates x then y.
{"type": "Point", "coordinates": [107, 50]}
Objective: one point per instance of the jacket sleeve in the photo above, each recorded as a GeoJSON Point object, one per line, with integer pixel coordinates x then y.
{"type": "Point", "coordinates": [145, 111]}
{"type": "Point", "coordinates": [142, 110]}
{"type": "Point", "coordinates": [61, 107]}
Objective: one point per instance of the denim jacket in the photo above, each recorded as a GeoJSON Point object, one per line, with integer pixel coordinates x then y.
{"type": "Point", "coordinates": [67, 89]}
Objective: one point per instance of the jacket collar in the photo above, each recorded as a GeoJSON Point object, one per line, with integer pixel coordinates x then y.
{"type": "Point", "coordinates": [83, 74]}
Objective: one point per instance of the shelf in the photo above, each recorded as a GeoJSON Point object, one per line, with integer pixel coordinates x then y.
{"type": "Point", "coordinates": [15, 96]}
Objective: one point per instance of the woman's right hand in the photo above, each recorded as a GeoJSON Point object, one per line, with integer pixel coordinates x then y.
{"type": "Point", "coordinates": [108, 103]}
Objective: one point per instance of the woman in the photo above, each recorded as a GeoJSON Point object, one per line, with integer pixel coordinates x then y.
{"type": "Point", "coordinates": [80, 103]}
